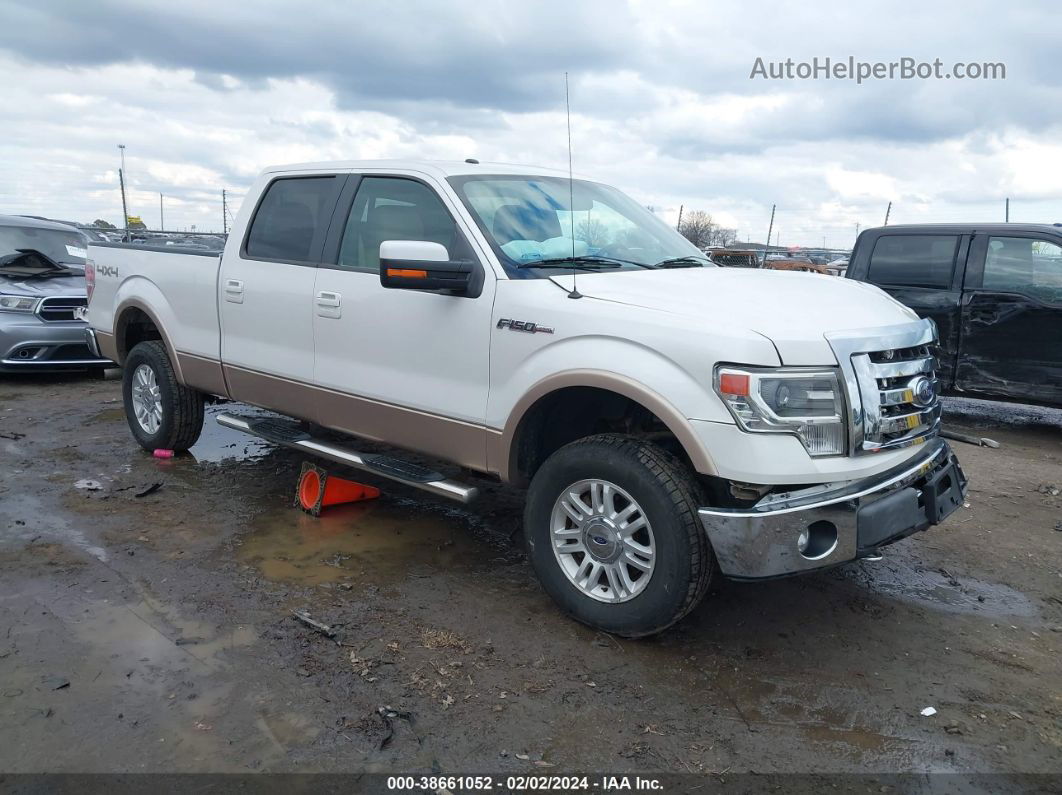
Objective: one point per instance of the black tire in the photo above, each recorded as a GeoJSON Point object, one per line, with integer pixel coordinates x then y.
{"type": "Point", "coordinates": [182, 407]}
{"type": "Point", "coordinates": [669, 497]}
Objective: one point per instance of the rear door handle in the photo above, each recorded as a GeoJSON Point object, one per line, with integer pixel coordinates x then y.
{"type": "Point", "coordinates": [234, 291]}
{"type": "Point", "coordinates": [329, 304]}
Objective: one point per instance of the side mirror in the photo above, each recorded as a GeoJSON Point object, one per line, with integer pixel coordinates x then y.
{"type": "Point", "coordinates": [422, 265]}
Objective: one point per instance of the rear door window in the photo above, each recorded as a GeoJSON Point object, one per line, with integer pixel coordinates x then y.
{"type": "Point", "coordinates": [292, 219]}
{"type": "Point", "coordinates": [914, 260]}
{"type": "Point", "coordinates": [1024, 265]}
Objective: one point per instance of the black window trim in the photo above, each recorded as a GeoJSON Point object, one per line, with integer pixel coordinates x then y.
{"type": "Point", "coordinates": [317, 245]}
{"type": "Point", "coordinates": [955, 259]}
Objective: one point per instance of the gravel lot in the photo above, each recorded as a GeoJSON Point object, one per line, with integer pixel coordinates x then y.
{"type": "Point", "coordinates": [155, 632]}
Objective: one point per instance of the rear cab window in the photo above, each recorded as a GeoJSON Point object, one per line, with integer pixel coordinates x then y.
{"type": "Point", "coordinates": [926, 261]}
{"type": "Point", "coordinates": [291, 220]}
{"type": "Point", "coordinates": [1025, 265]}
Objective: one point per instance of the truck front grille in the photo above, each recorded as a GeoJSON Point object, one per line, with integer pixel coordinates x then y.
{"type": "Point", "coordinates": [891, 385]}
{"type": "Point", "coordinates": [900, 396]}
{"type": "Point", "coordinates": [58, 308]}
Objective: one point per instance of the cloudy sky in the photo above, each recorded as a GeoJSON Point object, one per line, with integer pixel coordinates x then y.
{"type": "Point", "coordinates": [205, 94]}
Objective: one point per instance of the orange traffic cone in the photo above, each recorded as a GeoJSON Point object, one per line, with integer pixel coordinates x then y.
{"type": "Point", "coordinates": [317, 490]}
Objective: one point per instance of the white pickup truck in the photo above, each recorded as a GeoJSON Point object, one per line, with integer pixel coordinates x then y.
{"type": "Point", "coordinates": [668, 418]}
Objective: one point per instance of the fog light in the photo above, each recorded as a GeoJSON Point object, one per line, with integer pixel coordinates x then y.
{"type": "Point", "coordinates": [802, 541]}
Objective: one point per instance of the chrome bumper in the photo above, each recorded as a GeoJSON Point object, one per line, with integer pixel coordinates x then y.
{"type": "Point", "coordinates": [825, 525]}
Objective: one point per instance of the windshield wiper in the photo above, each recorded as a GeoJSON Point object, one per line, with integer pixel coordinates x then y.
{"type": "Point", "coordinates": [586, 262]}
{"type": "Point", "coordinates": [688, 261]}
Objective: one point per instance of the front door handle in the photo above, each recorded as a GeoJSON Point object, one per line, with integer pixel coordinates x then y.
{"type": "Point", "coordinates": [234, 291]}
{"type": "Point", "coordinates": [329, 304]}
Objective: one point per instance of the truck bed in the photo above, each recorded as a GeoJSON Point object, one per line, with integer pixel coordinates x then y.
{"type": "Point", "coordinates": [181, 286]}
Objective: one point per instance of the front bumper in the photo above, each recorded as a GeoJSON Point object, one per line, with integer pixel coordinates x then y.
{"type": "Point", "coordinates": [28, 344]}
{"type": "Point", "coordinates": [839, 522]}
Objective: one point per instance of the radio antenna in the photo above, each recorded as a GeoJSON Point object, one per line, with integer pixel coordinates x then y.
{"type": "Point", "coordinates": [571, 186]}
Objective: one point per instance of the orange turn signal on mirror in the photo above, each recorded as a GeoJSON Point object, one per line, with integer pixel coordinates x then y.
{"type": "Point", "coordinates": [734, 384]}
{"type": "Point", "coordinates": [407, 273]}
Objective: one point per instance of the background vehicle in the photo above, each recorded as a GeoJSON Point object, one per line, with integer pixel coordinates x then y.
{"type": "Point", "coordinates": [39, 296]}
{"type": "Point", "coordinates": [995, 293]}
{"type": "Point", "coordinates": [666, 415]}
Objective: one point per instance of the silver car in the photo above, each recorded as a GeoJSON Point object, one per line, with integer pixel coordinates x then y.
{"type": "Point", "coordinates": [39, 296]}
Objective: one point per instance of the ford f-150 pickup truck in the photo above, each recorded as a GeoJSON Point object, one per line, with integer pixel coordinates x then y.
{"type": "Point", "coordinates": [668, 418]}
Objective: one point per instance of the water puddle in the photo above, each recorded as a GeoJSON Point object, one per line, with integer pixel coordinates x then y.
{"type": "Point", "coordinates": [218, 443]}
{"type": "Point", "coordinates": [27, 522]}
{"type": "Point", "coordinates": [942, 591]}
{"type": "Point", "coordinates": [376, 542]}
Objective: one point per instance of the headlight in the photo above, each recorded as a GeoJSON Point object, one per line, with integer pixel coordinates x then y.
{"type": "Point", "coordinates": [807, 403]}
{"type": "Point", "coordinates": [17, 303]}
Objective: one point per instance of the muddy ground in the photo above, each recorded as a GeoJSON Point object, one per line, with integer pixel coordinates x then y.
{"type": "Point", "coordinates": [154, 632]}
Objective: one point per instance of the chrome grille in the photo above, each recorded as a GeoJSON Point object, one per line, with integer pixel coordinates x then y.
{"type": "Point", "coordinates": [57, 308]}
{"type": "Point", "coordinates": [891, 384]}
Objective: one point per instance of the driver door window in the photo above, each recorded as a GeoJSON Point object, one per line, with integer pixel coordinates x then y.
{"type": "Point", "coordinates": [391, 208]}
{"type": "Point", "coordinates": [1024, 265]}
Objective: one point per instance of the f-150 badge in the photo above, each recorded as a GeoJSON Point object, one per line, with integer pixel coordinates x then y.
{"type": "Point", "coordinates": [524, 325]}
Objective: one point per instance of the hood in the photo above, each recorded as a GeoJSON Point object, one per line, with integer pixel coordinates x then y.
{"type": "Point", "coordinates": [54, 285]}
{"type": "Point", "coordinates": [793, 310]}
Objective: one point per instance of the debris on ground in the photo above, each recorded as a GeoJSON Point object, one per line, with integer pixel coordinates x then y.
{"type": "Point", "coordinates": [56, 682]}
{"type": "Point", "coordinates": [928, 712]}
{"type": "Point", "coordinates": [441, 639]}
{"type": "Point", "coordinates": [977, 441]}
{"type": "Point", "coordinates": [388, 714]}
{"type": "Point", "coordinates": [324, 629]}
{"type": "Point", "coordinates": [1050, 489]}
{"type": "Point", "coordinates": [88, 485]}
{"type": "Point", "coordinates": [149, 490]}
{"type": "Point", "coordinates": [160, 453]}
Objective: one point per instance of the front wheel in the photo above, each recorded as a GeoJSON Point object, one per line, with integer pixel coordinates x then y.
{"type": "Point", "coordinates": [613, 534]}
{"type": "Point", "coordinates": [160, 411]}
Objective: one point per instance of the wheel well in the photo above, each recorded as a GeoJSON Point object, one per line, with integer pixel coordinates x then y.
{"type": "Point", "coordinates": [572, 413]}
{"type": "Point", "coordinates": [134, 326]}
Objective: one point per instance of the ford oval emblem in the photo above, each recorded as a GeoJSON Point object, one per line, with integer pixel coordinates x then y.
{"type": "Point", "coordinates": [923, 391]}
{"type": "Point", "coordinates": [599, 540]}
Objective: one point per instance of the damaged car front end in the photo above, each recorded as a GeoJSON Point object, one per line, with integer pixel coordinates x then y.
{"type": "Point", "coordinates": [42, 290]}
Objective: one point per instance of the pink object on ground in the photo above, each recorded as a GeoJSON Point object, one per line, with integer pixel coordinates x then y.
{"type": "Point", "coordinates": [163, 453]}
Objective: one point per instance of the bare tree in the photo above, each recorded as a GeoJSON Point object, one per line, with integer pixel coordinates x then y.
{"type": "Point", "coordinates": [592, 232]}
{"type": "Point", "coordinates": [697, 228]}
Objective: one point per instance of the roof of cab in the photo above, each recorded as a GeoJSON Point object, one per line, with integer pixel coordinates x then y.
{"type": "Point", "coordinates": [960, 228]}
{"type": "Point", "coordinates": [25, 221]}
{"type": "Point", "coordinates": [437, 168]}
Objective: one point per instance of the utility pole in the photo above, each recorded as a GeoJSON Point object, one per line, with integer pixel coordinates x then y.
{"type": "Point", "coordinates": [678, 226]}
{"type": "Point", "coordinates": [887, 211]}
{"type": "Point", "coordinates": [121, 182]}
{"type": "Point", "coordinates": [1007, 216]}
{"type": "Point", "coordinates": [162, 215]}
{"type": "Point", "coordinates": [225, 213]}
{"type": "Point", "coordinates": [125, 212]}
{"type": "Point", "coordinates": [770, 229]}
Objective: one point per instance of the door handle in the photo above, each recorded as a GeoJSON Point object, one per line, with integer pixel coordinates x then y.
{"type": "Point", "coordinates": [329, 304]}
{"type": "Point", "coordinates": [234, 291]}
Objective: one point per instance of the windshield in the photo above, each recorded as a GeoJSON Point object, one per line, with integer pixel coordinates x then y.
{"type": "Point", "coordinates": [530, 219]}
{"type": "Point", "coordinates": [56, 244]}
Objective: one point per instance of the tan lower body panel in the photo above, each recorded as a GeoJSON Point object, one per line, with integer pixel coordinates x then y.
{"type": "Point", "coordinates": [108, 346]}
{"type": "Point", "coordinates": [452, 440]}
{"type": "Point", "coordinates": [203, 374]}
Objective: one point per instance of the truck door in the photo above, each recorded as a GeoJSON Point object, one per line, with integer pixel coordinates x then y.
{"type": "Point", "coordinates": [921, 271]}
{"type": "Point", "coordinates": [1012, 318]}
{"type": "Point", "coordinates": [266, 294]}
{"type": "Point", "coordinates": [407, 366]}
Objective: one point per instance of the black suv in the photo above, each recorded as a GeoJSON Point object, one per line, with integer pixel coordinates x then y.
{"type": "Point", "coordinates": [995, 292]}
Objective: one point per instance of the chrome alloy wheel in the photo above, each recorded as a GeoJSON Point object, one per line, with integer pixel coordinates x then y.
{"type": "Point", "coordinates": [602, 541]}
{"type": "Point", "coordinates": [147, 400]}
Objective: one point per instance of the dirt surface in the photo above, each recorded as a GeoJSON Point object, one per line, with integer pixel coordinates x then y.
{"type": "Point", "coordinates": [156, 632]}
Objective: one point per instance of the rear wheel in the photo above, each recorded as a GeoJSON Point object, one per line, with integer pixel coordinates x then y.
{"type": "Point", "coordinates": [612, 531]}
{"type": "Point", "coordinates": [160, 411]}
